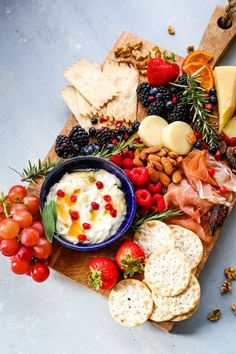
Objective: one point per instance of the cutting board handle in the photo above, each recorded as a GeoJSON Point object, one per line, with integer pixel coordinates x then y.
{"type": "Point", "coordinates": [217, 40]}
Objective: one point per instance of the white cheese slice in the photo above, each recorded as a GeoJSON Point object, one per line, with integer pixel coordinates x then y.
{"type": "Point", "coordinates": [150, 130]}
{"type": "Point", "coordinates": [174, 137]}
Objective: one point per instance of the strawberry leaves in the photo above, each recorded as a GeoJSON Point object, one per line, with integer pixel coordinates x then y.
{"type": "Point", "coordinates": [94, 279]}
{"type": "Point", "coordinates": [131, 266]}
{"type": "Point", "coordinates": [168, 57]}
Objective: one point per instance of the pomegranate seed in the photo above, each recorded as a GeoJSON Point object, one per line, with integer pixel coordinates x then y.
{"type": "Point", "coordinates": [151, 98]}
{"type": "Point", "coordinates": [115, 142]}
{"type": "Point", "coordinates": [82, 237]}
{"type": "Point", "coordinates": [211, 171]}
{"type": "Point", "coordinates": [209, 106]}
{"type": "Point", "coordinates": [118, 124]}
{"type": "Point", "coordinates": [107, 198]}
{"type": "Point", "coordinates": [86, 226]}
{"type": "Point", "coordinates": [223, 190]}
{"type": "Point", "coordinates": [198, 135]}
{"type": "Point", "coordinates": [108, 207]}
{"type": "Point", "coordinates": [204, 145]}
{"type": "Point", "coordinates": [94, 206]}
{"type": "Point", "coordinates": [102, 120]}
{"type": "Point", "coordinates": [99, 185]}
{"type": "Point", "coordinates": [218, 155]}
{"type": "Point", "coordinates": [60, 193]}
{"type": "Point", "coordinates": [174, 100]}
{"type": "Point", "coordinates": [74, 215]}
{"type": "Point", "coordinates": [73, 198]}
{"type": "Point", "coordinates": [113, 213]}
{"type": "Point", "coordinates": [126, 137]}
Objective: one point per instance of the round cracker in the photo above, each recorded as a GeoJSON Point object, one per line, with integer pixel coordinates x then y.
{"type": "Point", "coordinates": [185, 316]}
{"type": "Point", "coordinates": [189, 243]}
{"type": "Point", "coordinates": [166, 308]}
{"type": "Point", "coordinates": [167, 273]}
{"type": "Point", "coordinates": [130, 302]}
{"type": "Point", "coordinates": [154, 236]}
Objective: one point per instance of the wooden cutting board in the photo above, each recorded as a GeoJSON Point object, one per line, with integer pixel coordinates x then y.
{"type": "Point", "coordinates": [75, 264]}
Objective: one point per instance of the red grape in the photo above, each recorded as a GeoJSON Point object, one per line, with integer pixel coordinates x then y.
{"type": "Point", "coordinates": [38, 225]}
{"type": "Point", "coordinates": [43, 249]}
{"type": "Point", "coordinates": [23, 217]}
{"type": "Point", "coordinates": [9, 247]}
{"type": "Point", "coordinates": [17, 207]}
{"type": "Point", "coordinates": [9, 228]}
{"type": "Point", "coordinates": [29, 237]}
{"type": "Point", "coordinates": [17, 193]}
{"type": "Point", "coordinates": [32, 203]}
{"type": "Point", "coordinates": [40, 272]}
{"type": "Point", "coordinates": [18, 266]}
{"type": "Point", "coordinates": [25, 253]}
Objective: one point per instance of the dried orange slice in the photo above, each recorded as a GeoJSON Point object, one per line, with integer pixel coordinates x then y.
{"type": "Point", "coordinates": [205, 75]}
{"type": "Point", "coordinates": [198, 56]}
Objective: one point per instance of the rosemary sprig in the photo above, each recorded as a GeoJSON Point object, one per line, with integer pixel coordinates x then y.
{"type": "Point", "coordinates": [150, 216]}
{"type": "Point", "coordinates": [37, 170]}
{"type": "Point", "coordinates": [106, 153]}
{"type": "Point", "coordinates": [194, 96]}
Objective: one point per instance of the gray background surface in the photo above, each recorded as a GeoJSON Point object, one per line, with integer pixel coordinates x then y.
{"type": "Point", "coordinates": [38, 40]}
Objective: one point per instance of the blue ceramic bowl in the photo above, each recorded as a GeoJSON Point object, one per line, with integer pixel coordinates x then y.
{"type": "Point", "coordinates": [91, 162]}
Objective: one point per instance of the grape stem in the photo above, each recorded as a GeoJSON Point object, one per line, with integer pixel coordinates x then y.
{"type": "Point", "coordinates": [4, 204]}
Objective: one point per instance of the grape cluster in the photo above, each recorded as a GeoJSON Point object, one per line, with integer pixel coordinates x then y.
{"type": "Point", "coordinates": [22, 236]}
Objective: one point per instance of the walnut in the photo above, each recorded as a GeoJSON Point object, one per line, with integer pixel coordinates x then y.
{"type": "Point", "coordinates": [154, 52]}
{"type": "Point", "coordinates": [214, 315]}
{"type": "Point", "coordinates": [226, 287]}
{"type": "Point", "coordinates": [190, 48]}
{"type": "Point", "coordinates": [230, 273]}
{"type": "Point", "coordinates": [171, 30]}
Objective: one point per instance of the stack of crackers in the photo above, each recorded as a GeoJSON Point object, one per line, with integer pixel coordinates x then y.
{"type": "Point", "coordinates": [170, 290]}
{"type": "Point", "coordinates": [108, 91]}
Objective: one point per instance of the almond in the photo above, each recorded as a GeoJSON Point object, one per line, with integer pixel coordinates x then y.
{"type": "Point", "coordinates": [191, 138]}
{"type": "Point", "coordinates": [138, 163]}
{"type": "Point", "coordinates": [153, 149]}
{"type": "Point", "coordinates": [176, 177]}
{"type": "Point", "coordinates": [179, 159]}
{"type": "Point", "coordinates": [168, 168]}
{"type": "Point", "coordinates": [143, 154]}
{"type": "Point", "coordinates": [158, 166]}
{"type": "Point", "coordinates": [172, 161]}
{"type": "Point", "coordinates": [137, 154]}
{"type": "Point", "coordinates": [152, 157]}
{"type": "Point", "coordinates": [173, 154]}
{"type": "Point", "coordinates": [154, 175]}
{"type": "Point", "coordinates": [165, 180]}
{"type": "Point", "coordinates": [162, 152]}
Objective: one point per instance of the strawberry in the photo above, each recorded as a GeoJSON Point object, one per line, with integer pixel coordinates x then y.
{"type": "Point", "coordinates": [130, 258]}
{"type": "Point", "coordinates": [162, 71]}
{"type": "Point", "coordinates": [104, 273]}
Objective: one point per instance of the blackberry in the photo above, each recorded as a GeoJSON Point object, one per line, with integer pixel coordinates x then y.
{"type": "Point", "coordinates": [179, 112]}
{"type": "Point", "coordinates": [164, 93]}
{"type": "Point", "coordinates": [63, 147]}
{"type": "Point", "coordinates": [156, 108]}
{"type": "Point", "coordinates": [143, 90]}
{"type": "Point", "coordinates": [104, 136]}
{"type": "Point", "coordinates": [79, 136]}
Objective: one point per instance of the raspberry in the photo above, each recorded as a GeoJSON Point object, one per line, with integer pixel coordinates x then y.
{"type": "Point", "coordinates": [143, 210]}
{"type": "Point", "coordinates": [143, 197]}
{"type": "Point", "coordinates": [158, 203]}
{"type": "Point", "coordinates": [81, 237]}
{"type": "Point", "coordinates": [127, 172]}
{"type": "Point", "coordinates": [113, 213]}
{"type": "Point", "coordinates": [116, 159]}
{"type": "Point", "coordinates": [127, 163]}
{"type": "Point", "coordinates": [74, 215]}
{"type": "Point", "coordinates": [154, 188]}
{"type": "Point", "coordinates": [99, 185]}
{"type": "Point", "coordinates": [73, 198]}
{"type": "Point", "coordinates": [107, 198]}
{"type": "Point", "coordinates": [94, 206]}
{"type": "Point", "coordinates": [60, 193]}
{"type": "Point", "coordinates": [86, 226]}
{"type": "Point", "coordinates": [139, 176]}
